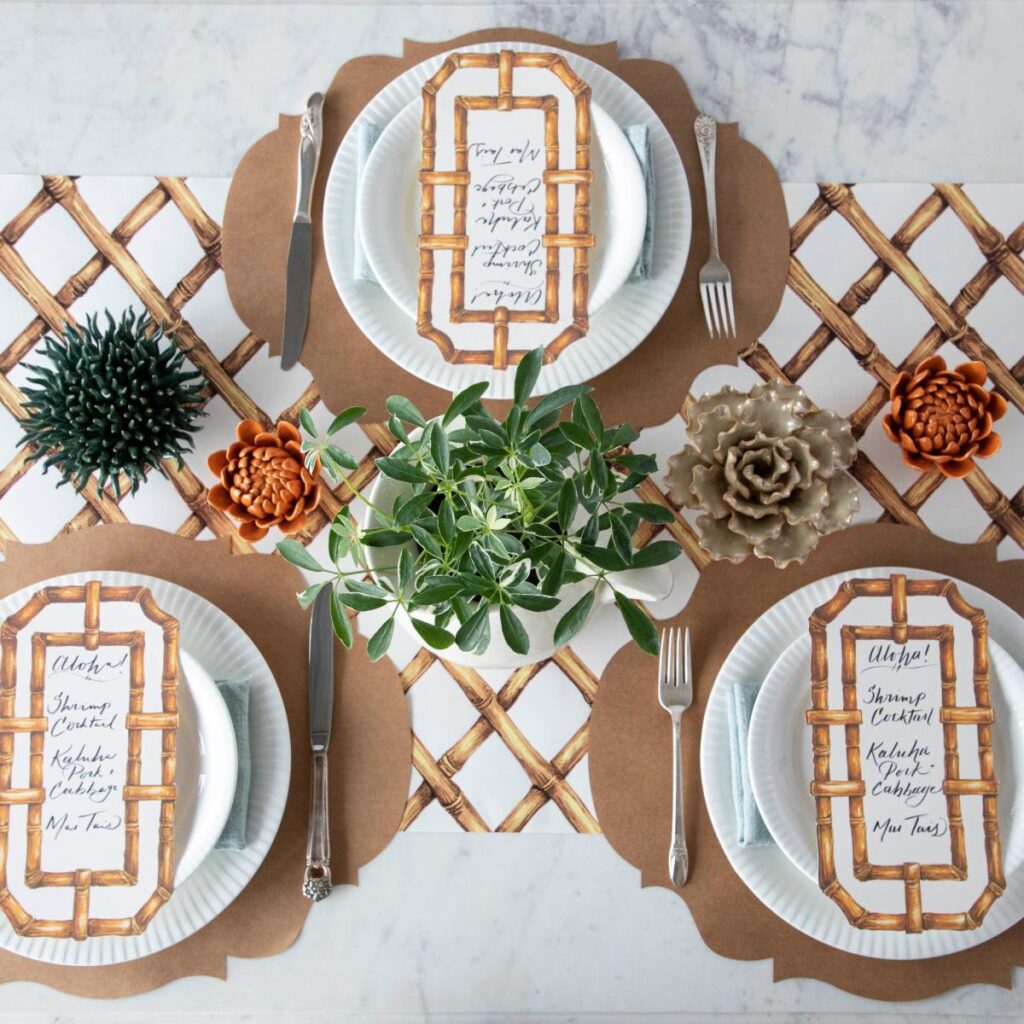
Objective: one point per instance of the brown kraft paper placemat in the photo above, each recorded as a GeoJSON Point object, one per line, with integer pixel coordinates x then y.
{"type": "Point", "coordinates": [630, 766]}
{"type": "Point", "coordinates": [370, 749]}
{"type": "Point", "coordinates": [350, 370]}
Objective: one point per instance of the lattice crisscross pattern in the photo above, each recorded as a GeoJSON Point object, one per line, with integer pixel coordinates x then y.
{"type": "Point", "coordinates": [488, 753]}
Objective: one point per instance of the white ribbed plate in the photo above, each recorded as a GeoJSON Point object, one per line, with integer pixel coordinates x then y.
{"type": "Point", "coordinates": [225, 652]}
{"type": "Point", "coordinates": [615, 330]}
{"type": "Point", "coordinates": [767, 871]}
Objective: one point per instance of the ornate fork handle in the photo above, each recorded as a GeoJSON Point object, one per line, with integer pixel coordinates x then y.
{"type": "Point", "coordinates": [317, 883]}
{"type": "Point", "coordinates": [678, 857]}
{"type": "Point", "coordinates": [707, 135]}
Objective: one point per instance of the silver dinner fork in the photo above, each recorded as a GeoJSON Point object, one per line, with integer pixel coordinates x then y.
{"type": "Point", "coordinates": [675, 694]}
{"type": "Point", "coordinates": [715, 282]}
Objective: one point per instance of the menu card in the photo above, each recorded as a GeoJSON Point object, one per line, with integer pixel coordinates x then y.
{"type": "Point", "coordinates": [88, 722]}
{"type": "Point", "coordinates": [904, 777]}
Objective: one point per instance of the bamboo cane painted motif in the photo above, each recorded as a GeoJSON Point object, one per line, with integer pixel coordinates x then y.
{"type": "Point", "coordinates": [81, 925]}
{"type": "Point", "coordinates": [825, 789]}
{"type": "Point", "coordinates": [580, 176]}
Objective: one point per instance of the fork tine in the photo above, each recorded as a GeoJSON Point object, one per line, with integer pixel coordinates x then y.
{"type": "Point", "coordinates": [661, 659]}
{"type": "Point", "coordinates": [723, 314]}
{"type": "Point", "coordinates": [714, 311]}
{"type": "Point", "coordinates": [670, 659]}
{"type": "Point", "coordinates": [680, 680]}
{"type": "Point", "coordinates": [677, 676]}
{"type": "Point", "coordinates": [732, 312]}
{"type": "Point", "coordinates": [704, 289]}
{"type": "Point", "coordinates": [688, 667]}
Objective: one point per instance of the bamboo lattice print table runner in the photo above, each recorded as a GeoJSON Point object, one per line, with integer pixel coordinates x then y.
{"type": "Point", "coordinates": [492, 751]}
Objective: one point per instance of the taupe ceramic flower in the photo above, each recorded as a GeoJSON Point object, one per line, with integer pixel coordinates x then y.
{"type": "Point", "coordinates": [768, 471]}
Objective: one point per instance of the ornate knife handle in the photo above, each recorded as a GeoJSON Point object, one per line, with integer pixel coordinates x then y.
{"type": "Point", "coordinates": [706, 131]}
{"type": "Point", "coordinates": [317, 884]}
{"type": "Point", "coordinates": [311, 132]}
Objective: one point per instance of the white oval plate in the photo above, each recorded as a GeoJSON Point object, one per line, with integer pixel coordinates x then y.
{"type": "Point", "coordinates": [781, 785]}
{"type": "Point", "coordinates": [767, 871]}
{"type": "Point", "coordinates": [205, 806]}
{"type": "Point", "coordinates": [615, 330]}
{"type": "Point", "coordinates": [226, 652]}
{"type": "Point", "coordinates": [388, 209]}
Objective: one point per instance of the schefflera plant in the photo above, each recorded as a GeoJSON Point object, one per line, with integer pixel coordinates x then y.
{"type": "Point", "coordinates": [498, 514]}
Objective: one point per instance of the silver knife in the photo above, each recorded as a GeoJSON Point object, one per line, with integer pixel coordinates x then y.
{"type": "Point", "coordinates": [300, 249]}
{"type": "Point", "coordinates": [317, 882]}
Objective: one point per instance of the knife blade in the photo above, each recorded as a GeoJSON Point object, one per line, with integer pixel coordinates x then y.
{"type": "Point", "coordinates": [299, 268]}
{"type": "Point", "coordinates": [317, 881]}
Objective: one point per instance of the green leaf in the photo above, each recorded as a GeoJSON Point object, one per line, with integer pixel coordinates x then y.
{"type": "Point", "coordinates": [360, 602]}
{"type": "Point", "coordinates": [571, 622]}
{"type": "Point", "coordinates": [295, 553]}
{"type": "Point", "coordinates": [567, 505]}
{"type": "Point", "coordinates": [513, 630]}
{"type": "Point", "coordinates": [467, 524]}
{"type": "Point", "coordinates": [463, 401]}
{"type": "Point", "coordinates": [550, 403]}
{"type": "Point", "coordinates": [402, 470]}
{"type": "Point", "coordinates": [481, 561]}
{"type": "Point", "coordinates": [342, 457]}
{"type": "Point", "coordinates": [658, 553]}
{"type": "Point", "coordinates": [446, 521]}
{"type": "Point", "coordinates": [527, 373]}
{"type": "Point", "coordinates": [397, 430]}
{"type": "Point", "coordinates": [530, 598]}
{"type": "Point", "coordinates": [576, 434]}
{"type": "Point", "coordinates": [340, 621]}
{"type": "Point", "coordinates": [475, 629]}
{"type": "Point", "coordinates": [555, 574]}
{"type": "Point", "coordinates": [639, 463]}
{"type": "Point", "coordinates": [439, 450]}
{"type": "Point", "coordinates": [381, 640]}
{"type": "Point", "coordinates": [335, 545]}
{"type": "Point", "coordinates": [308, 596]}
{"type": "Point", "coordinates": [431, 594]}
{"type": "Point", "coordinates": [427, 541]}
{"type": "Point", "coordinates": [412, 508]}
{"type": "Point", "coordinates": [651, 512]}
{"type": "Point", "coordinates": [307, 422]}
{"type": "Point", "coordinates": [640, 627]}
{"type": "Point", "coordinates": [343, 419]}
{"type": "Point", "coordinates": [591, 416]}
{"type": "Point", "coordinates": [603, 558]}
{"type": "Point", "coordinates": [401, 407]}
{"type": "Point", "coordinates": [599, 469]}
{"type": "Point", "coordinates": [406, 563]}
{"type": "Point", "coordinates": [383, 538]}
{"type": "Point", "coordinates": [363, 587]}
{"type": "Point", "coordinates": [538, 456]}
{"type": "Point", "coordinates": [433, 635]}
{"type": "Point", "coordinates": [622, 539]}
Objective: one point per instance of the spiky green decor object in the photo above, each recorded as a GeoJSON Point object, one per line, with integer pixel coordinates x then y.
{"type": "Point", "coordinates": [112, 400]}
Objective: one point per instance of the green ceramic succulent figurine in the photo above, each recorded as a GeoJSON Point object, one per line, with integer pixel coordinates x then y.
{"type": "Point", "coordinates": [112, 400]}
{"type": "Point", "coordinates": [768, 472]}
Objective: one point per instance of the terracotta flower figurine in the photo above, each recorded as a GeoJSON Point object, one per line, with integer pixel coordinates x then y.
{"type": "Point", "coordinates": [263, 480]}
{"type": "Point", "coordinates": [768, 471]}
{"type": "Point", "coordinates": [943, 418]}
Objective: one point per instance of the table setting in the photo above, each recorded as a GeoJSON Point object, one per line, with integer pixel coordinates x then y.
{"type": "Point", "coordinates": [559, 427]}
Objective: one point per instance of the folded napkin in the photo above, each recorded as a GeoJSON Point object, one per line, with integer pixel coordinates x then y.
{"type": "Point", "coordinates": [367, 135]}
{"type": "Point", "coordinates": [750, 827]}
{"type": "Point", "coordinates": [236, 696]}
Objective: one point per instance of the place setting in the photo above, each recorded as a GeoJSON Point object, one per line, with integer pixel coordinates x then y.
{"type": "Point", "coordinates": [556, 471]}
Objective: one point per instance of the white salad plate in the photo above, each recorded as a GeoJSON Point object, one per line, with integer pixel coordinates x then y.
{"type": "Point", "coordinates": [207, 882]}
{"type": "Point", "coordinates": [781, 767]}
{"type": "Point", "coordinates": [622, 322]}
{"type": "Point", "coordinates": [767, 871]}
{"type": "Point", "coordinates": [388, 211]}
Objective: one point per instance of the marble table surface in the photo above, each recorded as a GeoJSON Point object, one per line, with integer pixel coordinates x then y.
{"type": "Point", "coordinates": [538, 928]}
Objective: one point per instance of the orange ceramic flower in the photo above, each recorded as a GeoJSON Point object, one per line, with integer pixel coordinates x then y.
{"type": "Point", "coordinates": [943, 418]}
{"type": "Point", "coordinates": [263, 480]}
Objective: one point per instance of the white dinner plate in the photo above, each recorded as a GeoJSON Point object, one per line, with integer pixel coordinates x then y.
{"type": "Point", "coordinates": [781, 767]}
{"type": "Point", "coordinates": [388, 209]}
{"type": "Point", "coordinates": [207, 768]}
{"type": "Point", "coordinates": [767, 871]}
{"type": "Point", "coordinates": [224, 651]}
{"type": "Point", "coordinates": [615, 330]}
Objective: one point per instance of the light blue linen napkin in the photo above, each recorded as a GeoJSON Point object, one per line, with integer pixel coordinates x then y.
{"type": "Point", "coordinates": [750, 827]}
{"type": "Point", "coordinates": [236, 696]}
{"type": "Point", "coordinates": [367, 135]}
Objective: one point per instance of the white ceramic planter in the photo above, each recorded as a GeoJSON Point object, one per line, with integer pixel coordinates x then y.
{"type": "Point", "coordinates": [653, 584]}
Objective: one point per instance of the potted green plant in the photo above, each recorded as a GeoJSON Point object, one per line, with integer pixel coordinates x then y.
{"type": "Point", "coordinates": [493, 540]}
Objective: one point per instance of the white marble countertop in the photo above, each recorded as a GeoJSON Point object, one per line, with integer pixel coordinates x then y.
{"type": "Point", "coordinates": [538, 928]}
